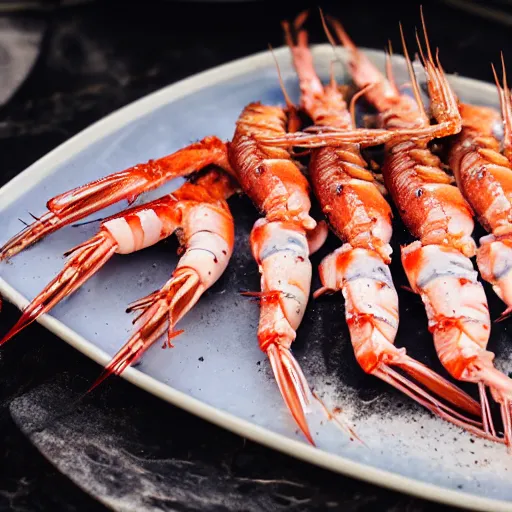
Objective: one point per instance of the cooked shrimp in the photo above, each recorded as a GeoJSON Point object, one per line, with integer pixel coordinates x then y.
{"type": "Point", "coordinates": [361, 217]}
{"type": "Point", "coordinates": [437, 264]}
{"type": "Point", "coordinates": [484, 175]}
{"type": "Point", "coordinates": [281, 242]}
{"type": "Point", "coordinates": [198, 213]}
{"type": "Point", "coordinates": [206, 231]}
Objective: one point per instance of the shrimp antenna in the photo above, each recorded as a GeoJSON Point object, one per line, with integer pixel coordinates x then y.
{"type": "Point", "coordinates": [503, 70]}
{"type": "Point", "coordinates": [301, 19]}
{"type": "Point", "coordinates": [297, 25]}
{"type": "Point", "coordinates": [389, 66]}
{"type": "Point", "coordinates": [289, 102]}
{"type": "Point", "coordinates": [506, 107]}
{"type": "Point", "coordinates": [498, 85]}
{"type": "Point", "coordinates": [435, 69]}
{"type": "Point", "coordinates": [329, 36]}
{"type": "Point", "coordinates": [496, 79]}
{"type": "Point", "coordinates": [427, 43]}
{"type": "Point", "coordinates": [353, 101]}
{"type": "Point", "coordinates": [422, 55]}
{"type": "Point", "coordinates": [331, 70]}
{"type": "Point", "coordinates": [505, 82]}
{"type": "Point", "coordinates": [424, 26]}
{"type": "Point", "coordinates": [412, 75]}
{"type": "Point", "coordinates": [332, 42]}
{"type": "Point", "coordinates": [438, 62]}
{"type": "Point", "coordinates": [288, 39]}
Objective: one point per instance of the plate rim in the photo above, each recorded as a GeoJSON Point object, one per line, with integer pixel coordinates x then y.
{"type": "Point", "coordinates": [47, 164]}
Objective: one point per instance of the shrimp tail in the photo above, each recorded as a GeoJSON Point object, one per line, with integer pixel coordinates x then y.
{"type": "Point", "coordinates": [160, 311]}
{"type": "Point", "coordinates": [437, 384]}
{"type": "Point", "coordinates": [41, 227]}
{"type": "Point", "coordinates": [292, 385]}
{"type": "Point", "coordinates": [86, 259]}
{"type": "Point", "coordinates": [506, 109]}
{"type": "Point", "coordinates": [282, 252]}
{"type": "Point", "coordinates": [482, 370]}
{"type": "Point", "coordinates": [459, 321]}
{"type": "Point", "coordinates": [440, 387]}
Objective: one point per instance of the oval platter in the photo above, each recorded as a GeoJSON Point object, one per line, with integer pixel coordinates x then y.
{"type": "Point", "coordinates": [216, 370]}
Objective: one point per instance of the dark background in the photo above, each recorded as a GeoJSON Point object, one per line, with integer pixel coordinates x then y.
{"type": "Point", "coordinates": [123, 445]}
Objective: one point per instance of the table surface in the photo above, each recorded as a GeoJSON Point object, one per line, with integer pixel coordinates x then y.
{"type": "Point", "coordinates": [123, 447]}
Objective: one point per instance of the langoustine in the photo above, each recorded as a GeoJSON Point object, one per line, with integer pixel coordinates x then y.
{"type": "Point", "coordinates": [437, 264]}
{"type": "Point", "coordinates": [198, 213]}
{"type": "Point", "coordinates": [484, 176]}
{"type": "Point", "coordinates": [281, 242]}
{"type": "Point", "coordinates": [360, 216]}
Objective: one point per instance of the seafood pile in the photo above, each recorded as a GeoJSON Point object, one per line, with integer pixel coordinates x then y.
{"type": "Point", "coordinates": [283, 164]}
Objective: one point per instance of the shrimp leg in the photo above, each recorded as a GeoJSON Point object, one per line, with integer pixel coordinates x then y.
{"type": "Point", "coordinates": [128, 184]}
{"type": "Point", "coordinates": [128, 232]}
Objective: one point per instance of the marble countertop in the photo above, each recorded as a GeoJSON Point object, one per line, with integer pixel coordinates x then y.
{"type": "Point", "coordinates": [123, 448]}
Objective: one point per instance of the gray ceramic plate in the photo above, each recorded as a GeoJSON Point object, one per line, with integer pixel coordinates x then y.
{"type": "Point", "coordinates": [216, 370]}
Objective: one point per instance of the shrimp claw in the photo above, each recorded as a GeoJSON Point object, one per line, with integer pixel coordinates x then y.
{"type": "Point", "coordinates": [127, 184]}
